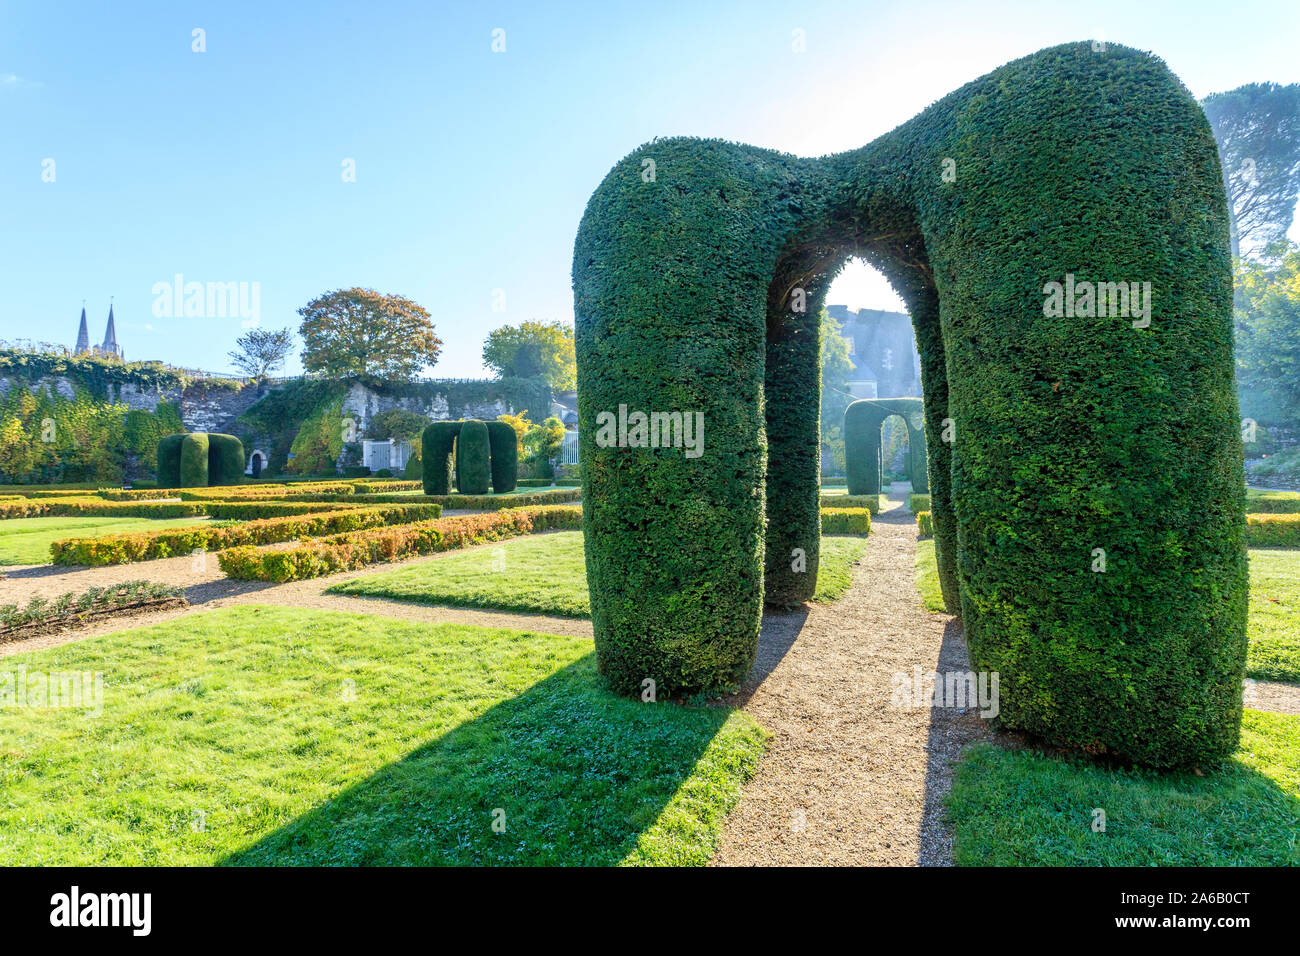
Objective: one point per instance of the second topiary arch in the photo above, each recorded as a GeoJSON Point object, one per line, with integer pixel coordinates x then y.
{"type": "Point", "coordinates": [699, 269]}
{"type": "Point", "coordinates": [863, 465]}
{"type": "Point", "coordinates": [199, 459]}
{"type": "Point", "coordinates": [484, 451]}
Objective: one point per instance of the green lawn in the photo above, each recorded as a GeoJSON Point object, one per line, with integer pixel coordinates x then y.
{"type": "Point", "coordinates": [285, 736]}
{"type": "Point", "coordinates": [927, 575]}
{"type": "Point", "coordinates": [27, 540]}
{"type": "Point", "coordinates": [1274, 627]}
{"type": "Point", "coordinates": [1274, 624]}
{"type": "Point", "coordinates": [1022, 808]}
{"type": "Point", "coordinates": [545, 574]}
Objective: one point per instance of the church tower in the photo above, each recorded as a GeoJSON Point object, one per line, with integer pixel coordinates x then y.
{"type": "Point", "coordinates": [83, 334]}
{"type": "Point", "coordinates": [110, 346]}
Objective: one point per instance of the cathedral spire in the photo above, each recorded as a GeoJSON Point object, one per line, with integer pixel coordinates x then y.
{"type": "Point", "coordinates": [110, 335]}
{"type": "Point", "coordinates": [83, 334]}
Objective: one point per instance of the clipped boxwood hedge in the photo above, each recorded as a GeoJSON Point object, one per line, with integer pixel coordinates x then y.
{"type": "Point", "coordinates": [846, 521]}
{"type": "Point", "coordinates": [345, 552]}
{"type": "Point", "coordinates": [1049, 436]}
{"type": "Point", "coordinates": [1273, 530]}
{"type": "Point", "coordinates": [473, 459]}
{"type": "Point", "coordinates": [924, 524]}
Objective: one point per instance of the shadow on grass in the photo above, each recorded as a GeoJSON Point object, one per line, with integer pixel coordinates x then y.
{"type": "Point", "coordinates": [568, 773]}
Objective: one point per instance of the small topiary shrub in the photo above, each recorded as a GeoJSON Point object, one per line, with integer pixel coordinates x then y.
{"type": "Point", "coordinates": [194, 460]}
{"type": "Point", "coordinates": [924, 526]}
{"type": "Point", "coordinates": [846, 521]}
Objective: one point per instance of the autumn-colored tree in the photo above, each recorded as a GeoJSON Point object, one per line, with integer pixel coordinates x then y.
{"type": "Point", "coordinates": [533, 349]}
{"type": "Point", "coordinates": [361, 333]}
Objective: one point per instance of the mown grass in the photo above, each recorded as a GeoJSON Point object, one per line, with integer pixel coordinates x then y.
{"type": "Point", "coordinates": [1273, 627]}
{"type": "Point", "coordinates": [546, 574]}
{"type": "Point", "coordinates": [286, 736]}
{"type": "Point", "coordinates": [927, 575]}
{"type": "Point", "coordinates": [1274, 624]}
{"type": "Point", "coordinates": [1024, 808]}
{"type": "Point", "coordinates": [28, 540]}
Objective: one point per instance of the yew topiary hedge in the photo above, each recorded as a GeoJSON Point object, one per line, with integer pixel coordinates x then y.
{"type": "Point", "coordinates": [1052, 433]}
{"type": "Point", "coordinates": [862, 454]}
{"type": "Point", "coordinates": [493, 455]}
{"type": "Point", "coordinates": [194, 460]}
{"type": "Point", "coordinates": [473, 459]}
{"type": "Point", "coordinates": [169, 460]}
{"type": "Point", "coordinates": [199, 459]}
{"type": "Point", "coordinates": [505, 457]}
{"type": "Point", "coordinates": [437, 442]}
{"type": "Point", "coordinates": [225, 459]}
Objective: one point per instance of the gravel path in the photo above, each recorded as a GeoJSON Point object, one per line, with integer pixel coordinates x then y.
{"type": "Point", "coordinates": [849, 778]}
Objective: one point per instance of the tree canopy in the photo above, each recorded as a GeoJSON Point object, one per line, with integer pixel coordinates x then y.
{"type": "Point", "coordinates": [262, 351]}
{"type": "Point", "coordinates": [1268, 326]}
{"type": "Point", "coordinates": [1257, 127]}
{"type": "Point", "coordinates": [361, 333]}
{"type": "Point", "coordinates": [532, 349]}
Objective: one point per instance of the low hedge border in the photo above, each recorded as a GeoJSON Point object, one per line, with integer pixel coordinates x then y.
{"type": "Point", "coordinates": [1273, 530]}
{"type": "Point", "coordinates": [136, 494]}
{"type": "Point", "coordinates": [918, 503]}
{"type": "Point", "coordinates": [471, 502]}
{"type": "Point", "coordinates": [372, 486]}
{"type": "Point", "coordinates": [252, 510]}
{"type": "Point", "coordinates": [846, 521]}
{"type": "Point", "coordinates": [232, 492]}
{"type": "Point", "coordinates": [66, 507]}
{"type": "Point", "coordinates": [924, 524]}
{"type": "Point", "coordinates": [1272, 502]}
{"type": "Point", "coordinates": [870, 502]}
{"type": "Point", "coordinates": [347, 552]}
{"type": "Point", "coordinates": [171, 542]}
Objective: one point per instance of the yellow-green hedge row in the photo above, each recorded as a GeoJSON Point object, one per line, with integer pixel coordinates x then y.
{"type": "Point", "coordinates": [846, 521]}
{"type": "Point", "coordinates": [345, 552]}
{"type": "Point", "coordinates": [170, 542]}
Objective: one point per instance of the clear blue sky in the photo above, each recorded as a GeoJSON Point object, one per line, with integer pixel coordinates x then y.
{"type": "Point", "coordinates": [472, 168]}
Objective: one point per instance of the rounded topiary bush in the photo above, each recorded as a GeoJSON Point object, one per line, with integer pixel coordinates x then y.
{"type": "Point", "coordinates": [169, 460]}
{"type": "Point", "coordinates": [194, 461]}
{"type": "Point", "coordinates": [1052, 433]}
{"type": "Point", "coordinates": [225, 460]}
{"type": "Point", "coordinates": [473, 458]}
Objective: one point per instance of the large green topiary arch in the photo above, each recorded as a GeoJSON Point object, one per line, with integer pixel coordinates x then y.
{"type": "Point", "coordinates": [699, 268]}
{"type": "Point", "coordinates": [862, 455]}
